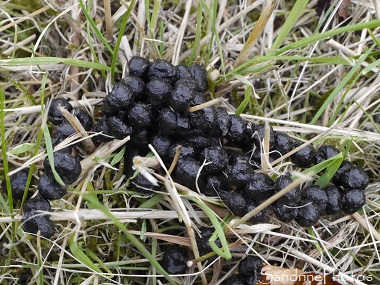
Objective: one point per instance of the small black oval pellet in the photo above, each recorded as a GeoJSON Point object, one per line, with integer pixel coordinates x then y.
{"type": "Point", "coordinates": [64, 130]}
{"type": "Point", "coordinates": [183, 94]}
{"type": "Point", "coordinates": [37, 203]}
{"type": "Point", "coordinates": [137, 85]}
{"type": "Point", "coordinates": [67, 167]}
{"type": "Point", "coordinates": [237, 129]}
{"type": "Point", "coordinates": [334, 199]}
{"type": "Point", "coordinates": [259, 134]}
{"type": "Point", "coordinates": [84, 118]}
{"type": "Point", "coordinates": [354, 178]}
{"type": "Point", "coordinates": [239, 172]}
{"type": "Point", "coordinates": [158, 91]}
{"type": "Point", "coordinates": [251, 265]}
{"type": "Point", "coordinates": [141, 116]}
{"type": "Point", "coordinates": [325, 152]}
{"type": "Point", "coordinates": [186, 171]}
{"type": "Point", "coordinates": [102, 127]}
{"type": "Point", "coordinates": [138, 66]}
{"type": "Point", "coordinates": [293, 196]}
{"type": "Point", "coordinates": [172, 123]}
{"type": "Point", "coordinates": [305, 157]}
{"type": "Point", "coordinates": [182, 71]}
{"type": "Point", "coordinates": [203, 243]}
{"type": "Point", "coordinates": [236, 203]}
{"type": "Point", "coordinates": [284, 212]}
{"type": "Point", "coordinates": [199, 74]}
{"type": "Point", "coordinates": [18, 184]}
{"type": "Point", "coordinates": [161, 143]}
{"type": "Point", "coordinates": [141, 139]}
{"type": "Point", "coordinates": [216, 159]}
{"type": "Point", "coordinates": [54, 115]}
{"type": "Point", "coordinates": [353, 200]}
{"type": "Point", "coordinates": [49, 188]}
{"type": "Point", "coordinates": [205, 121]}
{"type": "Point", "coordinates": [238, 279]}
{"type": "Point", "coordinates": [259, 186]}
{"type": "Point", "coordinates": [316, 195]}
{"type": "Point", "coordinates": [143, 185]}
{"type": "Point", "coordinates": [283, 143]}
{"type": "Point", "coordinates": [33, 222]}
{"type": "Point", "coordinates": [175, 260]}
{"type": "Point", "coordinates": [119, 99]}
{"type": "Point", "coordinates": [118, 128]}
{"type": "Point", "coordinates": [187, 150]}
{"type": "Point", "coordinates": [214, 184]}
{"type": "Point", "coordinates": [260, 217]}
{"type": "Point", "coordinates": [163, 69]}
{"type": "Point", "coordinates": [345, 166]}
{"type": "Point", "coordinates": [308, 215]}
{"type": "Point", "coordinates": [222, 122]}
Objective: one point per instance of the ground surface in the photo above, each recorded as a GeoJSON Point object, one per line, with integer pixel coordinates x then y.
{"type": "Point", "coordinates": [315, 78]}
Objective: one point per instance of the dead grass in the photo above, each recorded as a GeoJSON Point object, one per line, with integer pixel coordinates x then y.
{"type": "Point", "coordinates": [332, 97]}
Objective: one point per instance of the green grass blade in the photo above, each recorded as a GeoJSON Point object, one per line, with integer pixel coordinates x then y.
{"type": "Point", "coordinates": [9, 207]}
{"type": "Point", "coordinates": [247, 97]}
{"type": "Point", "coordinates": [293, 17]}
{"type": "Point", "coordinates": [330, 171]}
{"type": "Point", "coordinates": [119, 37]}
{"type": "Point", "coordinates": [97, 205]}
{"type": "Point", "coordinates": [81, 256]}
{"type": "Point", "coordinates": [321, 36]}
{"type": "Point", "coordinates": [341, 85]}
{"type": "Point", "coordinates": [225, 252]}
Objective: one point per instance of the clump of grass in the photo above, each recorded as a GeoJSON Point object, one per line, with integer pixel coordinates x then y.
{"type": "Point", "coordinates": [312, 77]}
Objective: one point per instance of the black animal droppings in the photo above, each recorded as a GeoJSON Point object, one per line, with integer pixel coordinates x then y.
{"type": "Point", "coordinates": [137, 85]}
{"type": "Point", "coordinates": [187, 150]}
{"type": "Point", "coordinates": [325, 152]}
{"type": "Point", "coordinates": [354, 178]}
{"type": "Point", "coordinates": [260, 217]}
{"type": "Point", "coordinates": [49, 188]}
{"type": "Point", "coordinates": [205, 121]}
{"type": "Point", "coordinates": [140, 116]}
{"type": "Point", "coordinates": [140, 140]}
{"type": "Point", "coordinates": [222, 122]}
{"type": "Point", "coordinates": [186, 171]}
{"type": "Point", "coordinates": [344, 167]}
{"type": "Point", "coordinates": [293, 196]}
{"type": "Point", "coordinates": [84, 118]}
{"type": "Point", "coordinates": [259, 186]}
{"type": "Point", "coordinates": [236, 203]}
{"type": "Point", "coordinates": [334, 198]}
{"type": "Point", "coordinates": [33, 222]}
{"type": "Point", "coordinates": [183, 94]}
{"type": "Point", "coordinates": [118, 128]}
{"type": "Point", "coordinates": [237, 129]}
{"type": "Point", "coordinates": [239, 172]}
{"type": "Point", "coordinates": [238, 279]}
{"type": "Point", "coordinates": [175, 260]}
{"type": "Point", "coordinates": [18, 184]}
{"type": "Point", "coordinates": [163, 69]}
{"type": "Point", "coordinates": [103, 127]}
{"type": "Point", "coordinates": [203, 243]}
{"type": "Point", "coordinates": [316, 195]}
{"type": "Point", "coordinates": [308, 215]}
{"type": "Point", "coordinates": [214, 184]}
{"type": "Point", "coordinates": [138, 66]}
{"type": "Point", "coordinates": [64, 130]}
{"type": "Point", "coordinates": [172, 123]}
{"type": "Point", "coordinates": [183, 71]}
{"type": "Point", "coordinates": [54, 115]}
{"type": "Point", "coordinates": [305, 157]}
{"type": "Point", "coordinates": [143, 185]}
{"type": "Point", "coordinates": [216, 157]}
{"type": "Point", "coordinates": [120, 98]}
{"type": "Point", "coordinates": [259, 133]}
{"type": "Point", "coordinates": [200, 75]}
{"type": "Point", "coordinates": [158, 91]}
{"type": "Point", "coordinates": [251, 265]}
{"type": "Point", "coordinates": [353, 200]}
{"type": "Point", "coordinates": [67, 167]}
{"type": "Point", "coordinates": [37, 203]}
{"type": "Point", "coordinates": [161, 143]}
{"type": "Point", "coordinates": [283, 143]}
{"type": "Point", "coordinates": [284, 212]}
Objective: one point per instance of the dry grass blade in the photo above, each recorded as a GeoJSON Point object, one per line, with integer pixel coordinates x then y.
{"type": "Point", "coordinates": [256, 32]}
